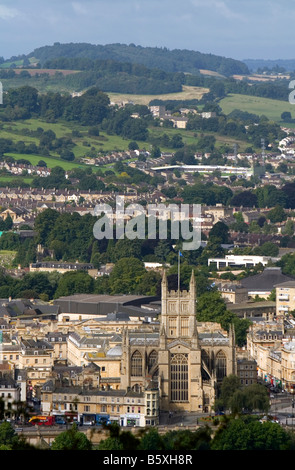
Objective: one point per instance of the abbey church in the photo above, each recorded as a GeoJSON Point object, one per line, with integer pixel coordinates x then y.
{"type": "Point", "coordinates": [185, 360]}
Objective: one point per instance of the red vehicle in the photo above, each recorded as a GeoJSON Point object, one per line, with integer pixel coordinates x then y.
{"type": "Point", "coordinates": [42, 420]}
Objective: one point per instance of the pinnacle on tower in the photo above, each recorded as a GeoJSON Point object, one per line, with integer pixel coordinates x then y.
{"type": "Point", "coordinates": [164, 277]}
{"type": "Point", "coordinates": [192, 281]}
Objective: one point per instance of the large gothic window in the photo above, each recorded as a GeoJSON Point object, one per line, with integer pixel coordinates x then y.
{"type": "Point", "coordinates": [179, 377]}
{"type": "Point", "coordinates": [220, 365]}
{"type": "Point", "coordinates": [136, 364]}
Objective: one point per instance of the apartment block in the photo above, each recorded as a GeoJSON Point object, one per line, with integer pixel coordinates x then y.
{"type": "Point", "coordinates": [285, 298]}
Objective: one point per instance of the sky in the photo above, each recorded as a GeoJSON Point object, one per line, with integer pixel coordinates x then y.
{"type": "Point", "coordinates": [240, 29]}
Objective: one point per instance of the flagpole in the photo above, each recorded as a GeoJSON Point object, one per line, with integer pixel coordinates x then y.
{"type": "Point", "coordinates": [178, 271]}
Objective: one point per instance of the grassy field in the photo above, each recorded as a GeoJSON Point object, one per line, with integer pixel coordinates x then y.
{"type": "Point", "coordinates": [191, 138]}
{"type": "Point", "coordinates": [50, 161]}
{"type": "Point", "coordinates": [8, 178]}
{"type": "Point", "coordinates": [260, 106]}
{"type": "Point", "coordinates": [19, 131]}
{"type": "Point", "coordinates": [188, 93]}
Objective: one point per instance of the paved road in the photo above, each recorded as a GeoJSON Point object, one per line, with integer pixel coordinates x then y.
{"type": "Point", "coordinates": [282, 407]}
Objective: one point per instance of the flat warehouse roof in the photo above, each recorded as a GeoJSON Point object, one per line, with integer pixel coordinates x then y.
{"type": "Point", "coordinates": [104, 304]}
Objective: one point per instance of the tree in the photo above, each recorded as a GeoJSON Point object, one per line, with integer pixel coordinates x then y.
{"type": "Point", "coordinates": [249, 433]}
{"type": "Point", "coordinates": [185, 440]}
{"type": "Point", "coordinates": [256, 398]}
{"type": "Point", "coordinates": [244, 199]}
{"type": "Point", "coordinates": [73, 283]}
{"type": "Point", "coordinates": [269, 195]}
{"type": "Point", "coordinates": [119, 440]}
{"type": "Point", "coordinates": [133, 145]}
{"type": "Point", "coordinates": [282, 167]}
{"type": "Point", "coordinates": [71, 439]}
{"type": "Point", "coordinates": [156, 152]}
{"type": "Point", "coordinates": [220, 230]}
{"type": "Point", "coordinates": [267, 249]}
{"type": "Point", "coordinates": [286, 116]}
{"type": "Point", "coordinates": [230, 385]}
{"type": "Point", "coordinates": [277, 214]}
{"type": "Point", "coordinates": [36, 282]}
{"type": "Point", "coordinates": [289, 228]}
{"type": "Point", "coordinates": [10, 440]}
{"type": "Point", "coordinates": [9, 241]}
{"type": "Point", "coordinates": [236, 399]}
{"type": "Point", "coordinates": [8, 223]}
{"type": "Point", "coordinates": [213, 249]}
{"type": "Point", "coordinates": [287, 263]}
{"type": "Point", "coordinates": [211, 307]}
{"type": "Point", "coordinates": [151, 440]}
{"type": "Point", "coordinates": [126, 248]}
{"type": "Point", "coordinates": [241, 327]}
{"type": "Point", "coordinates": [44, 223]}
{"type": "Point", "coordinates": [126, 276]}
{"type": "Point", "coordinates": [67, 155]}
{"type": "Point", "coordinates": [149, 284]}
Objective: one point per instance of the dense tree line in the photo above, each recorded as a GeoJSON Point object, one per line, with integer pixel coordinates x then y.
{"type": "Point", "coordinates": [129, 70]}
{"type": "Point", "coordinates": [119, 77]}
{"type": "Point", "coordinates": [25, 102]}
{"type": "Point", "coordinates": [243, 433]}
{"type": "Point", "coordinates": [153, 57]}
{"type": "Point", "coordinates": [90, 109]}
{"type": "Point", "coordinates": [266, 196]}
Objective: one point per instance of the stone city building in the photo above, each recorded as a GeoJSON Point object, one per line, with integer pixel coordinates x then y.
{"type": "Point", "coordinates": [187, 360]}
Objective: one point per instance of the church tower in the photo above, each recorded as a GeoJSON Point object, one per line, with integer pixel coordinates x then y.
{"type": "Point", "coordinates": [179, 359]}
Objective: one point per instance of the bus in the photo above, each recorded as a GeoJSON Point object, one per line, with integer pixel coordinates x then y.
{"type": "Point", "coordinates": [42, 420]}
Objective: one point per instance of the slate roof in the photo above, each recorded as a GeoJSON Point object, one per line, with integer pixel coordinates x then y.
{"type": "Point", "coordinates": [96, 304]}
{"type": "Point", "coordinates": [266, 280]}
{"type": "Point", "coordinates": [18, 307]}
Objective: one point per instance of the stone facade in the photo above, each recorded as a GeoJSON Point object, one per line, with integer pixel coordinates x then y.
{"type": "Point", "coordinates": [185, 359]}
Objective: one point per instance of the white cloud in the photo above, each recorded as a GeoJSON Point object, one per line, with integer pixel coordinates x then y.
{"type": "Point", "coordinates": [7, 13]}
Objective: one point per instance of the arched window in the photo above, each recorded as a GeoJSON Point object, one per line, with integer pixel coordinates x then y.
{"type": "Point", "coordinates": [136, 364]}
{"type": "Point", "coordinates": [220, 365]}
{"type": "Point", "coordinates": [152, 359]}
{"type": "Point", "coordinates": [179, 377]}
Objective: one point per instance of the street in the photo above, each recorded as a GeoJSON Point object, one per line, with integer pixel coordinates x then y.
{"type": "Point", "coordinates": [282, 408]}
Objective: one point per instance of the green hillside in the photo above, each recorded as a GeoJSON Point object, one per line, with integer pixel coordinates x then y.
{"type": "Point", "coordinates": [270, 108]}
{"type": "Point", "coordinates": [176, 60]}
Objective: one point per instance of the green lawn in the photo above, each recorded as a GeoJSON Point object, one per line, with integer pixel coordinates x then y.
{"type": "Point", "coordinates": [8, 178]}
{"type": "Point", "coordinates": [51, 162]}
{"type": "Point", "coordinates": [260, 106]}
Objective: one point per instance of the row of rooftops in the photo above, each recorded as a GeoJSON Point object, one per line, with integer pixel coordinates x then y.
{"type": "Point", "coordinates": [121, 308]}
